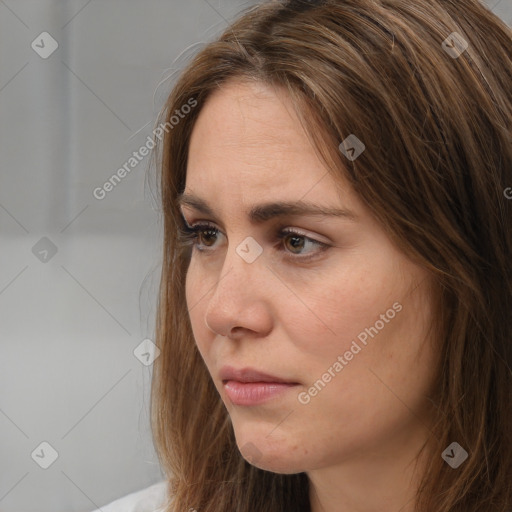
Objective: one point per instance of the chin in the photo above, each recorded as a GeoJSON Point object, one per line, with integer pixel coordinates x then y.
{"type": "Point", "coordinates": [276, 454]}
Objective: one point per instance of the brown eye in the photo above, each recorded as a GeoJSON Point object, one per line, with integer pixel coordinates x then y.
{"type": "Point", "coordinates": [296, 242]}
{"type": "Point", "coordinates": [206, 235]}
{"type": "Point", "coordinates": [203, 237]}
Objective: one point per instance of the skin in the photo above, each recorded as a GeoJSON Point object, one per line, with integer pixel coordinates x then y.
{"type": "Point", "coordinates": [358, 437]}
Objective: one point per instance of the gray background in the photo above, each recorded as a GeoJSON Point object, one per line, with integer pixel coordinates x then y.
{"type": "Point", "coordinates": [70, 321]}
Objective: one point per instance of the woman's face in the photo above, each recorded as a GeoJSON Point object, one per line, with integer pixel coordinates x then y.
{"type": "Point", "coordinates": [345, 323]}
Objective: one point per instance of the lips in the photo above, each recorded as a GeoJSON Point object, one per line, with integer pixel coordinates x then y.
{"type": "Point", "coordinates": [248, 374]}
{"type": "Point", "coordinates": [250, 387]}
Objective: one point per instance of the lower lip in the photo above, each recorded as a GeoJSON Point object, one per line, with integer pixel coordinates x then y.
{"type": "Point", "coordinates": [253, 393]}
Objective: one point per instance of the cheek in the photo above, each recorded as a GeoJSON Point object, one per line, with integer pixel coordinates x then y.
{"type": "Point", "coordinates": [195, 298]}
{"type": "Point", "coordinates": [333, 312]}
{"type": "Point", "coordinates": [393, 360]}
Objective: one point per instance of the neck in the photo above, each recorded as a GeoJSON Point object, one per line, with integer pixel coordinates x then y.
{"type": "Point", "coordinates": [377, 482]}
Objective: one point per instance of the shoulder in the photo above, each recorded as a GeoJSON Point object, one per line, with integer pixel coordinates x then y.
{"type": "Point", "coordinates": [150, 499]}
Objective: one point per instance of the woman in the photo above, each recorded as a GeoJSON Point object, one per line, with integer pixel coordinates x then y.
{"type": "Point", "coordinates": [334, 318]}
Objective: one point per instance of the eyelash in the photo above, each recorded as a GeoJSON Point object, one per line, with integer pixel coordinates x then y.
{"type": "Point", "coordinates": [188, 235]}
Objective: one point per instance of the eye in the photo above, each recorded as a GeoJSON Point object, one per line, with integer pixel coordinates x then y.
{"type": "Point", "coordinates": [206, 234]}
{"type": "Point", "coordinates": [298, 241]}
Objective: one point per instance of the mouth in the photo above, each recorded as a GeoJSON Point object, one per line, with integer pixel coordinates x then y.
{"type": "Point", "coordinates": [248, 374]}
{"type": "Point", "coordinates": [248, 386]}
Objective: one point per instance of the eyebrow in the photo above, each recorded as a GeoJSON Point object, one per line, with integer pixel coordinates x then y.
{"type": "Point", "coordinates": [263, 212]}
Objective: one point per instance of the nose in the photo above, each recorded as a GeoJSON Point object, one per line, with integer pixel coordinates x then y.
{"type": "Point", "coordinates": [240, 300]}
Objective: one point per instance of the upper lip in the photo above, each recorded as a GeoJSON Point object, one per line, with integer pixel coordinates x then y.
{"type": "Point", "coordinates": [248, 374]}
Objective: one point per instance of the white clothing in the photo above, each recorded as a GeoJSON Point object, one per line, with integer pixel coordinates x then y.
{"type": "Point", "coordinates": [150, 499]}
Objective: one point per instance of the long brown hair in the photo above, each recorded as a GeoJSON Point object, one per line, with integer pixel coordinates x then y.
{"type": "Point", "coordinates": [434, 111]}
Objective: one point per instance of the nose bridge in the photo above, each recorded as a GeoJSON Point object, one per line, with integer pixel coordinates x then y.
{"type": "Point", "coordinates": [242, 262]}
{"type": "Point", "coordinates": [241, 277]}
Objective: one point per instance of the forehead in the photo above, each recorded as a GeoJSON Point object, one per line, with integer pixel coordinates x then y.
{"type": "Point", "coordinates": [249, 123]}
{"type": "Point", "coordinates": [248, 145]}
